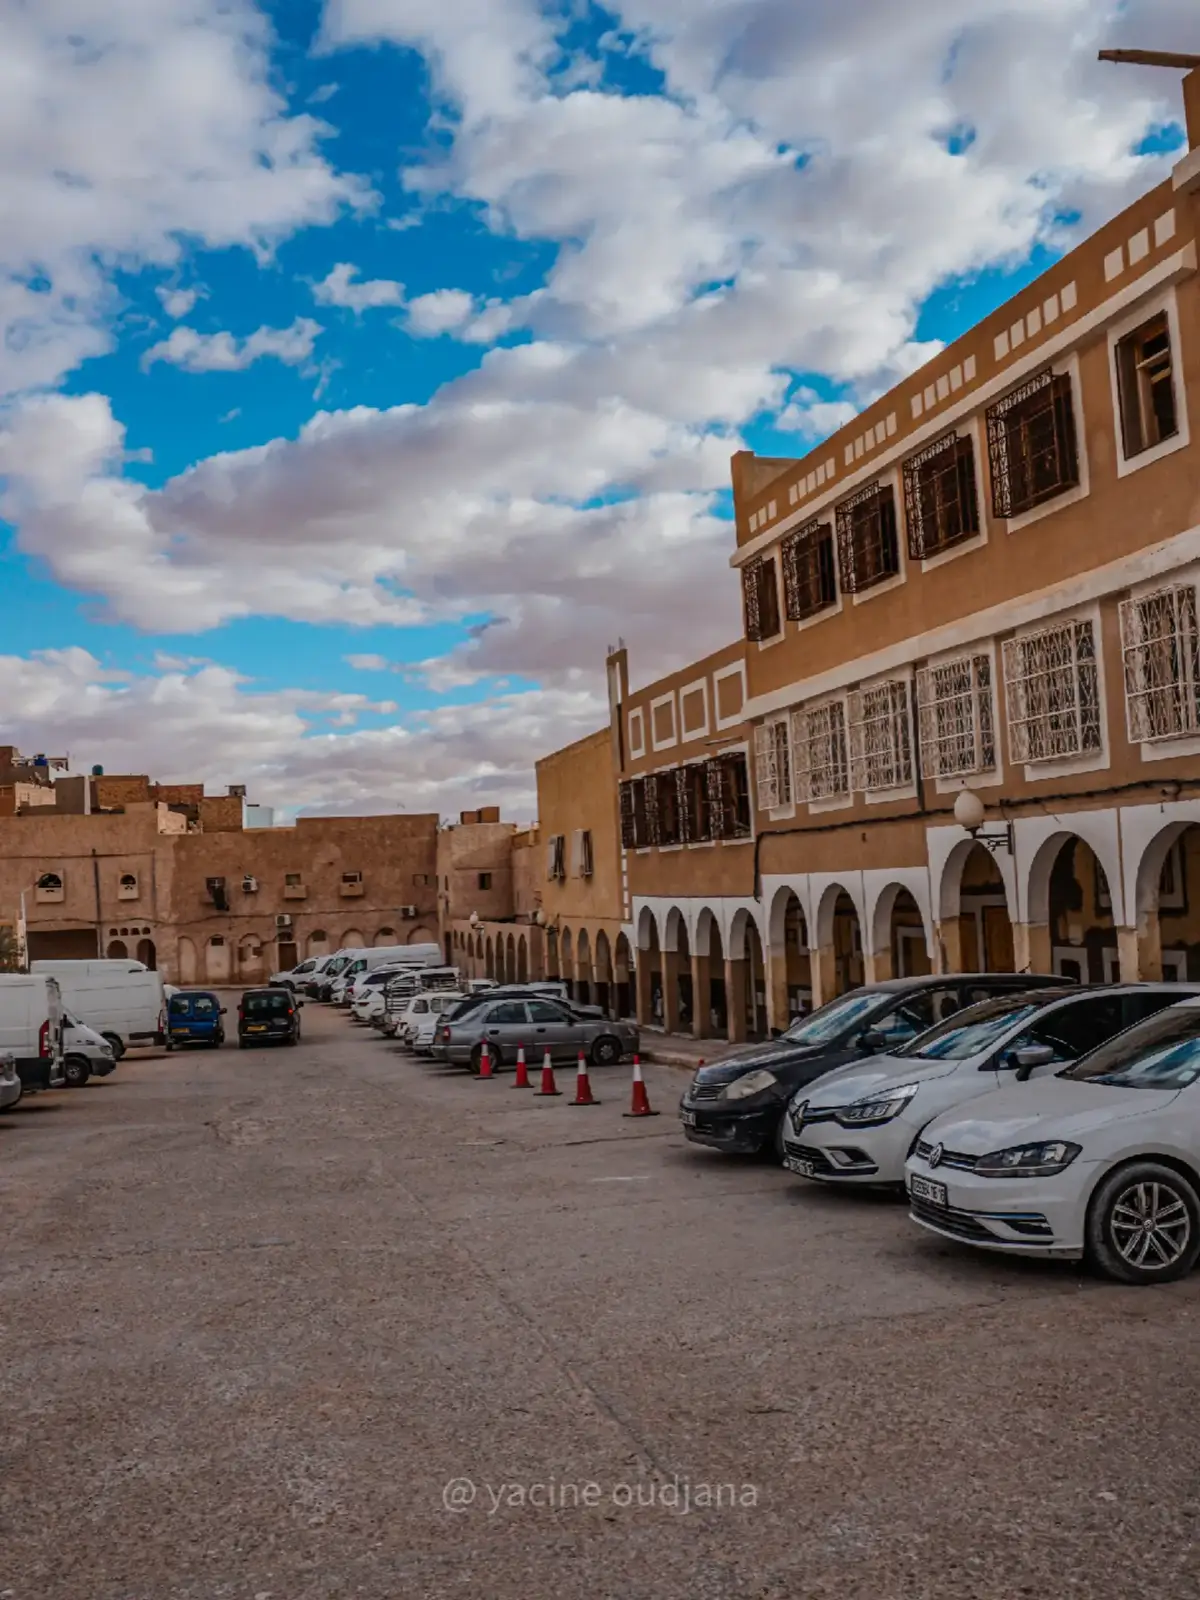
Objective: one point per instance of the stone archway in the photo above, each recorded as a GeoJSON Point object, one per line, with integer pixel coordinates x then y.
{"type": "Point", "coordinates": [789, 962]}
{"type": "Point", "coordinates": [604, 973]}
{"type": "Point", "coordinates": [1072, 929]}
{"type": "Point", "coordinates": [186, 959]}
{"type": "Point", "coordinates": [624, 975]}
{"type": "Point", "coordinates": [899, 937]}
{"type": "Point", "coordinates": [510, 959]}
{"type": "Point", "coordinates": [117, 950]}
{"type": "Point", "coordinates": [1167, 899]}
{"type": "Point", "coordinates": [649, 970]}
{"type": "Point", "coordinates": [711, 1019]}
{"type": "Point", "coordinates": [489, 959]}
{"type": "Point", "coordinates": [522, 960]}
{"type": "Point", "coordinates": [583, 968]}
{"type": "Point", "coordinates": [747, 977]}
{"type": "Point", "coordinates": [976, 911]}
{"type": "Point", "coordinates": [839, 942]}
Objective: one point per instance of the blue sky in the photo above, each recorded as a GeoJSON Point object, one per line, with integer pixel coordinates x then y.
{"type": "Point", "coordinates": [361, 539]}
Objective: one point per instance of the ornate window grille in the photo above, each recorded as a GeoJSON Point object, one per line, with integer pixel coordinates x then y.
{"type": "Point", "coordinates": [628, 822]}
{"type": "Point", "coordinates": [1053, 690]}
{"type": "Point", "coordinates": [772, 765]}
{"type": "Point", "coordinates": [820, 762]}
{"type": "Point", "coordinates": [760, 590]}
{"type": "Point", "coordinates": [728, 785]}
{"type": "Point", "coordinates": [1161, 645]}
{"type": "Point", "coordinates": [881, 747]}
{"type": "Point", "coordinates": [809, 570]}
{"type": "Point", "coordinates": [667, 807]}
{"type": "Point", "coordinates": [1031, 444]}
{"type": "Point", "coordinates": [941, 506]}
{"type": "Point", "coordinates": [639, 812]}
{"type": "Point", "coordinates": [868, 550]}
{"type": "Point", "coordinates": [691, 786]}
{"type": "Point", "coordinates": [957, 717]}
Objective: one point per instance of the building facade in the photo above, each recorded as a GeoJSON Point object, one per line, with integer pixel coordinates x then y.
{"type": "Point", "coordinates": [986, 582]}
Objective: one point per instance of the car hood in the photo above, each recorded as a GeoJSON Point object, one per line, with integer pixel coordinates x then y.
{"type": "Point", "coordinates": [879, 1073]}
{"type": "Point", "coordinates": [1047, 1108]}
{"type": "Point", "coordinates": [766, 1057]}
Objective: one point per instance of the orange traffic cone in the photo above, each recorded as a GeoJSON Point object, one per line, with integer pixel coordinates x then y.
{"type": "Point", "coordinates": [641, 1100]}
{"type": "Point", "coordinates": [521, 1081]}
{"type": "Point", "coordinates": [485, 1062]}
{"type": "Point", "coordinates": [548, 1084]}
{"type": "Point", "coordinates": [583, 1086]}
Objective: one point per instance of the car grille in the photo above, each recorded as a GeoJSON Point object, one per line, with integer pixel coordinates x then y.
{"type": "Point", "coordinates": [960, 1223]}
{"type": "Point", "coordinates": [705, 1091]}
{"type": "Point", "coordinates": [804, 1152]}
{"type": "Point", "coordinates": [949, 1158]}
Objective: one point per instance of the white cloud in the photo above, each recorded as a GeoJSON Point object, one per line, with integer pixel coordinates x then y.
{"type": "Point", "coordinates": [125, 130]}
{"type": "Point", "coordinates": [177, 302]}
{"type": "Point", "coordinates": [813, 418]}
{"type": "Point", "coordinates": [295, 749]}
{"type": "Point", "coordinates": [443, 311]}
{"type": "Point", "coordinates": [223, 352]}
{"type": "Point", "coordinates": [343, 287]}
{"type": "Point", "coordinates": [368, 663]}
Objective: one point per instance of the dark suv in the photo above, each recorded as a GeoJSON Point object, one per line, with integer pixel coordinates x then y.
{"type": "Point", "coordinates": [268, 1016]}
{"type": "Point", "coordinates": [738, 1104]}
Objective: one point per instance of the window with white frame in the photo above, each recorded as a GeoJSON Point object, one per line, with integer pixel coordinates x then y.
{"type": "Point", "coordinates": [1161, 646]}
{"type": "Point", "coordinates": [881, 752]}
{"type": "Point", "coordinates": [1052, 684]}
{"type": "Point", "coordinates": [772, 765]}
{"type": "Point", "coordinates": [957, 717]}
{"type": "Point", "coordinates": [820, 765]}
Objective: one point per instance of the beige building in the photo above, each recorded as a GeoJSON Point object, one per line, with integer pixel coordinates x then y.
{"type": "Point", "coordinates": [169, 876]}
{"type": "Point", "coordinates": [986, 582]}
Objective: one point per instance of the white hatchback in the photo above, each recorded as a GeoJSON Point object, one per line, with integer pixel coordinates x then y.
{"type": "Point", "coordinates": [857, 1125]}
{"type": "Point", "coordinates": [1101, 1161]}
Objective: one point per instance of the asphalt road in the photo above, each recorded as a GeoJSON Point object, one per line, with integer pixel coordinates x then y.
{"type": "Point", "coordinates": [258, 1310]}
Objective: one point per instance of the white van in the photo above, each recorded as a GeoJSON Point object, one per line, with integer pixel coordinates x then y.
{"type": "Point", "coordinates": [86, 1053]}
{"type": "Point", "coordinates": [122, 1000]}
{"type": "Point", "coordinates": [383, 955]}
{"type": "Point", "coordinates": [31, 1028]}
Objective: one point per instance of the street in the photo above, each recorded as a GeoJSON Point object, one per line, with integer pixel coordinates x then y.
{"type": "Point", "coordinates": [328, 1321]}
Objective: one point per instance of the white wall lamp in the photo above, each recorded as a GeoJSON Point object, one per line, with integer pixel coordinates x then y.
{"type": "Point", "coordinates": [970, 815]}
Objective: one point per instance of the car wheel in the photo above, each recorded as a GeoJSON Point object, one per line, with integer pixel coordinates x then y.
{"type": "Point", "coordinates": [1143, 1224]}
{"type": "Point", "coordinates": [169, 1045]}
{"type": "Point", "coordinates": [606, 1051]}
{"type": "Point", "coordinates": [477, 1058]}
{"type": "Point", "coordinates": [118, 1047]}
{"type": "Point", "coordinates": [774, 1145]}
{"type": "Point", "coordinates": [13, 1106]}
{"type": "Point", "coordinates": [77, 1071]}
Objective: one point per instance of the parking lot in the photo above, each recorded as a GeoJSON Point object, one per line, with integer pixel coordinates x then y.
{"type": "Point", "coordinates": [329, 1322]}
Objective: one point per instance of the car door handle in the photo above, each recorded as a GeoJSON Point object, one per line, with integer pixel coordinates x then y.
{"type": "Point", "coordinates": [541, 1030]}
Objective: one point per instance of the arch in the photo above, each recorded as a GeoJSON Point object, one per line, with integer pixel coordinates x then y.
{"type": "Point", "coordinates": [422, 935]}
{"type": "Point", "coordinates": [647, 930]}
{"type": "Point", "coordinates": [1152, 864]}
{"type": "Point", "coordinates": [117, 950]}
{"type": "Point", "coordinates": [510, 959]}
{"type": "Point", "coordinates": [839, 931]}
{"type": "Point", "coordinates": [790, 959]}
{"type": "Point", "coordinates": [128, 880]}
{"type": "Point", "coordinates": [522, 960]}
{"type": "Point", "coordinates": [749, 995]}
{"type": "Point", "coordinates": [708, 929]}
{"type": "Point", "coordinates": [624, 992]}
{"type": "Point", "coordinates": [1068, 879]}
{"type": "Point", "coordinates": [353, 939]}
{"type": "Point", "coordinates": [1168, 904]}
{"type": "Point", "coordinates": [552, 962]}
{"type": "Point", "coordinates": [49, 880]}
{"type": "Point", "coordinates": [896, 907]}
{"type": "Point", "coordinates": [743, 925]}
{"type": "Point", "coordinates": [385, 936]}
{"type": "Point", "coordinates": [147, 954]}
{"type": "Point", "coordinates": [216, 959]}
{"type": "Point", "coordinates": [1048, 839]}
{"type": "Point", "coordinates": [186, 959]}
{"type": "Point", "coordinates": [489, 959]}
{"type": "Point", "coordinates": [786, 906]}
{"type": "Point", "coordinates": [675, 929]}
{"type": "Point", "coordinates": [249, 955]}
{"type": "Point", "coordinates": [832, 898]}
{"type": "Point", "coordinates": [583, 968]}
{"type": "Point", "coordinates": [317, 943]}
{"type": "Point", "coordinates": [604, 966]}
{"type": "Point", "coordinates": [566, 956]}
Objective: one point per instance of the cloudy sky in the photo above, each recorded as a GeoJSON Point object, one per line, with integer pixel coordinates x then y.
{"type": "Point", "coordinates": [371, 365]}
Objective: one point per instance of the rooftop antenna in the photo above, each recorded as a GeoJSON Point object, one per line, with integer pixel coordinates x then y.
{"type": "Point", "coordinates": [1150, 58]}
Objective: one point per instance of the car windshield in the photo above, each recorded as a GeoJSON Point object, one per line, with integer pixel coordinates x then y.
{"type": "Point", "coordinates": [831, 1021]}
{"type": "Point", "coordinates": [266, 1005]}
{"type": "Point", "coordinates": [970, 1032]}
{"type": "Point", "coordinates": [1161, 1053]}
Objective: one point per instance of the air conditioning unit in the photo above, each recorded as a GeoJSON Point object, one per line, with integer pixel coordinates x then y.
{"type": "Point", "coordinates": [249, 884]}
{"type": "Point", "coordinates": [409, 913]}
{"type": "Point", "coordinates": [282, 920]}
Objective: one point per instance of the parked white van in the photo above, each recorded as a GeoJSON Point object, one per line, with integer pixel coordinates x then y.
{"type": "Point", "coordinates": [383, 955]}
{"type": "Point", "coordinates": [31, 1028]}
{"type": "Point", "coordinates": [122, 1000]}
{"type": "Point", "coordinates": [86, 1053]}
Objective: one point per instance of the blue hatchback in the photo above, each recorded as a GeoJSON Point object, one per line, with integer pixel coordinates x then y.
{"type": "Point", "coordinates": [194, 1017]}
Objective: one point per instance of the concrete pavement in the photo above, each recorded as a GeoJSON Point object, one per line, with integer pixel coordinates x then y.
{"type": "Point", "coordinates": [260, 1309]}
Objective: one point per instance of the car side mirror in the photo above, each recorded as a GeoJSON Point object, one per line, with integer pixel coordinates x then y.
{"type": "Point", "coordinates": [1027, 1060]}
{"type": "Point", "coordinates": [871, 1042]}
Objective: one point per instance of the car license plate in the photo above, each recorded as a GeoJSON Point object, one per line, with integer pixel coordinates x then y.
{"type": "Point", "coordinates": [803, 1169]}
{"type": "Point", "coordinates": [688, 1118]}
{"type": "Point", "coordinates": [257, 1027]}
{"type": "Point", "coordinates": [925, 1189]}
{"type": "Point", "coordinates": [181, 1032]}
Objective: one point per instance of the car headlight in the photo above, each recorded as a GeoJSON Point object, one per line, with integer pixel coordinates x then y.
{"type": "Point", "coordinates": [1028, 1160]}
{"type": "Point", "coordinates": [884, 1108]}
{"type": "Point", "coordinates": [752, 1083]}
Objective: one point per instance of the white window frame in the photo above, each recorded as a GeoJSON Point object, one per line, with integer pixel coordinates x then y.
{"type": "Point", "coordinates": [868, 720]}
{"type": "Point", "coordinates": [687, 735]}
{"type": "Point", "coordinates": [1135, 649]}
{"type": "Point", "coordinates": [1067, 366]}
{"type": "Point", "coordinates": [1020, 748]}
{"type": "Point", "coordinates": [821, 795]}
{"type": "Point", "coordinates": [637, 743]}
{"type": "Point", "coordinates": [1166, 302]}
{"type": "Point", "coordinates": [736, 669]}
{"type": "Point", "coordinates": [673, 739]}
{"type": "Point", "coordinates": [929, 706]}
{"type": "Point", "coordinates": [773, 765]}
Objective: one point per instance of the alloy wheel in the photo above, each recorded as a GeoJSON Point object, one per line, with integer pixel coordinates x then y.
{"type": "Point", "coordinates": [1151, 1226]}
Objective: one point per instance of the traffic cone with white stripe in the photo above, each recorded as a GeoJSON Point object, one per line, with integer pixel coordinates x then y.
{"type": "Point", "coordinates": [549, 1086]}
{"type": "Point", "coordinates": [521, 1081]}
{"type": "Point", "coordinates": [583, 1085]}
{"type": "Point", "coordinates": [641, 1100]}
{"type": "Point", "coordinates": [485, 1062]}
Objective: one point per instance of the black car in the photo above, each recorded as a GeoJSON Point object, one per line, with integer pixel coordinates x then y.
{"type": "Point", "coordinates": [268, 1016]}
{"type": "Point", "coordinates": [738, 1104]}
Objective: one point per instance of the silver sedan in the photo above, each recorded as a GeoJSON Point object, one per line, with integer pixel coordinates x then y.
{"type": "Point", "coordinates": [538, 1026]}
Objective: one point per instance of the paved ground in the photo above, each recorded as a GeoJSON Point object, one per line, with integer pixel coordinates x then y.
{"type": "Point", "coordinates": [257, 1311]}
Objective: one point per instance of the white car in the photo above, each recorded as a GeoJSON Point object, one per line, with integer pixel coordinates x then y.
{"type": "Point", "coordinates": [364, 1008]}
{"type": "Point", "coordinates": [423, 1019]}
{"type": "Point", "coordinates": [857, 1125]}
{"type": "Point", "coordinates": [1102, 1160]}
